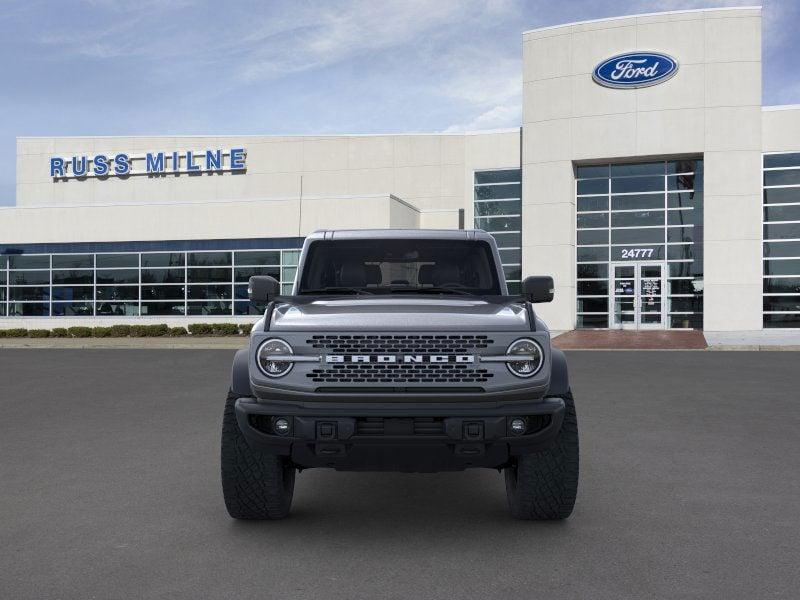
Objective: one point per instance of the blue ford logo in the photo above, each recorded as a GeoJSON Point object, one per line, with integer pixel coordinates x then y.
{"type": "Point", "coordinates": [635, 70]}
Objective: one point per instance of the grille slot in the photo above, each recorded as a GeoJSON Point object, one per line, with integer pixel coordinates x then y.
{"type": "Point", "coordinates": [399, 373]}
{"type": "Point", "coordinates": [376, 426]}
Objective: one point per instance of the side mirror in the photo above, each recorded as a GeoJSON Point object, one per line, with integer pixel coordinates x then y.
{"type": "Point", "coordinates": [263, 288]}
{"type": "Point", "coordinates": [538, 288]}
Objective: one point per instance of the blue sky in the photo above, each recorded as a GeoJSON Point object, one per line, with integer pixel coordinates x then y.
{"type": "Point", "coordinates": [102, 67]}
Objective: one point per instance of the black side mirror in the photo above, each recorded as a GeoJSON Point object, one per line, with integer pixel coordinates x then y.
{"type": "Point", "coordinates": [538, 288]}
{"type": "Point", "coordinates": [263, 288]}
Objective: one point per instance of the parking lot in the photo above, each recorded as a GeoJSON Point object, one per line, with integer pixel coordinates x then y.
{"type": "Point", "coordinates": [109, 488]}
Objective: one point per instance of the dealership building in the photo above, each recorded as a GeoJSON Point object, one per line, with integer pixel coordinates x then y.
{"type": "Point", "coordinates": [646, 177]}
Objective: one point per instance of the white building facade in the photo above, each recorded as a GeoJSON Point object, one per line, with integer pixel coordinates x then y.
{"type": "Point", "coordinates": [657, 190]}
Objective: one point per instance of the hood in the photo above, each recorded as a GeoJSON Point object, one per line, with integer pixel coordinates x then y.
{"type": "Point", "coordinates": [400, 314]}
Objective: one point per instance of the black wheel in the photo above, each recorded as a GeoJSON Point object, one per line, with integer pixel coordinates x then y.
{"type": "Point", "coordinates": [256, 485]}
{"type": "Point", "coordinates": [543, 485]}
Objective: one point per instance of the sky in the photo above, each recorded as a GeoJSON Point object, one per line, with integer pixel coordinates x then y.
{"type": "Point", "coordinates": [161, 67]}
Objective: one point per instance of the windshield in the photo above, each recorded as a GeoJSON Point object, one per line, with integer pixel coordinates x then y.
{"type": "Point", "coordinates": [399, 266]}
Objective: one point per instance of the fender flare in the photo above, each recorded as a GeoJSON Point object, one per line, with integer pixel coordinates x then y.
{"type": "Point", "coordinates": [559, 375]}
{"type": "Point", "coordinates": [240, 374]}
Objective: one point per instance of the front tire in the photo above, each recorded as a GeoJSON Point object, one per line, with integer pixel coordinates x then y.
{"type": "Point", "coordinates": [542, 486]}
{"type": "Point", "coordinates": [255, 485]}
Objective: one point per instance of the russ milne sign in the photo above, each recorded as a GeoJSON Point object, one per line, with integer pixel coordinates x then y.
{"type": "Point", "coordinates": [151, 163]}
{"type": "Point", "coordinates": [635, 70]}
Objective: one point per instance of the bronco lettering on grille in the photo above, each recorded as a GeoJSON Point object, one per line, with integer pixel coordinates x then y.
{"type": "Point", "coordinates": [400, 358]}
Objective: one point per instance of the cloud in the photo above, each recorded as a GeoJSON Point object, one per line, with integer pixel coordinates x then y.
{"type": "Point", "coordinates": [497, 117]}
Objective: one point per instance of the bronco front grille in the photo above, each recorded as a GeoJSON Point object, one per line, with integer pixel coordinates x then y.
{"type": "Point", "coordinates": [399, 373]}
{"type": "Point", "coordinates": [399, 344]}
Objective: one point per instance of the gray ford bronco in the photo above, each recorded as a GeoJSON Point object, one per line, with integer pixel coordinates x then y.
{"type": "Point", "coordinates": [400, 350]}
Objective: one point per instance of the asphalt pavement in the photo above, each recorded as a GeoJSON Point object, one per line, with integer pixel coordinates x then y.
{"type": "Point", "coordinates": [109, 488]}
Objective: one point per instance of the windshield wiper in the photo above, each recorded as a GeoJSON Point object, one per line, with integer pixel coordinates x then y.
{"type": "Point", "coordinates": [336, 290]}
{"type": "Point", "coordinates": [433, 290]}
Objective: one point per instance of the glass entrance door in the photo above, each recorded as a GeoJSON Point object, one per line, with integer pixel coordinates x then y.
{"type": "Point", "coordinates": [637, 295]}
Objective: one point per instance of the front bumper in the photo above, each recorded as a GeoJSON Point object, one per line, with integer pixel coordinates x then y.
{"type": "Point", "coordinates": [418, 437]}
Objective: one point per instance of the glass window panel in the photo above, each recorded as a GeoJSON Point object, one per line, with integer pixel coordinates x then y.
{"type": "Point", "coordinates": [512, 273]}
{"type": "Point", "coordinates": [591, 171]}
{"type": "Point", "coordinates": [680, 234]}
{"type": "Point", "coordinates": [73, 277]}
{"type": "Point", "coordinates": [73, 309]}
{"type": "Point", "coordinates": [490, 192]}
{"type": "Point", "coordinates": [595, 203]}
{"type": "Point", "coordinates": [243, 274]}
{"type": "Point", "coordinates": [593, 220]}
{"type": "Point", "coordinates": [120, 292]}
{"type": "Point", "coordinates": [593, 321]}
{"type": "Point", "coordinates": [240, 292]}
{"type": "Point", "coordinates": [782, 267]}
{"type": "Point", "coordinates": [636, 184]}
{"type": "Point", "coordinates": [593, 288]}
{"type": "Point", "coordinates": [162, 292]}
{"type": "Point", "coordinates": [593, 271]}
{"type": "Point", "coordinates": [73, 261]}
{"type": "Point", "coordinates": [84, 292]}
{"type": "Point", "coordinates": [29, 293]}
{"type": "Point", "coordinates": [25, 261]}
{"type": "Point", "coordinates": [651, 168]}
{"type": "Point", "coordinates": [3, 308]}
{"type": "Point", "coordinates": [684, 166]}
{"type": "Point", "coordinates": [639, 252]}
{"type": "Point", "coordinates": [118, 276]}
{"type": "Point", "coordinates": [788, 177]}
{"type": "Point", "coordinates": [637, 202]}
{"type": "Point", "coordinates": [782, 160]}
{"type": "Point", "coordinates": [684, 286]}
{"type": "Point", "coordinates": [3, 262]}
{"type": "Point", "coordinates": [682, 269]}
{"type": "Point", "coordinates": [686, 321]}
{"type": "Point", "coordinates": [162, 308]}
{"type": "Point", "coordinates": [683, 182]}
{"type": "Point", "coordinates": [507, 240]}
{"type": "Point", "coordinates": [593, 186]}
{"type": "Point", "coordinates": [684, 217]}
{"type": "Point", "coordinates": [498, 207]}
{"type": "Point", "coordinates": [291, 257]}
{"type": "Point", "coordinates": [694, 304]}
{"type": "Point", "coordinates": [782, 285]}
{"type": "Point", "coordinates": [639, 218]}
{"type": "Point", "coordinates": [288, 274]}
{"type": "Point", "coordinates": [499, 224]}
{"type": "Point", "coordinates": [163, 275]}
{"type": "Point", "coordinates": [209, 275]}
{"type": "Point", "coordinates": [249, 308]}
{"type": "Point", "coordinates": [28, 309]}
{"type": "Point", "coordinates": [592, 236]}
{"type": "Point", "coordinates": [499, 176]}
{"type": "Point", "coordinates": [781, 249]}
{"type": "Point", "coordinates": [782, 231]}
{"type": "Point", "coordinates": [680, 252]}
{"type": "Point", "coordinates": [257, 257]}
{"type": "Point", "coordinates": [29, 277]}
{"type": "Point", "coordinates": [513, 287]}
{"type": "Point", "coordinates": [209, 292]}
{"type": "Point", "coordinates": [163, 259]}
{"type": "Point", "coordinates": [782, 303]}
{"type": "Point", "coordinates": [512, 256]}
{"type": "Point", "coordinates": [782, 195]}
{"type": "Point", "coordinates": [782, 213]}
{"type": "Point", "coordinates": [208, 259]}
{"type": "Point", "coordinates": [685, 200]}
{"type": "Point", "coordinates": [117, 309]}
{"type": "Point", "coordinates": [637, 236]}
{"type": "Point", "coordinates": [589, 254]}
{"type": "Point", "coordinates": [209, 308]}
{"type": "Point", "coordinates": [786, 320]}
{"type": "Point", "coordinates": [593, 305]}
{"type": "Point", "coordinates": [2, 294]}
{"type": "Point", "coordinates": [117, 261]}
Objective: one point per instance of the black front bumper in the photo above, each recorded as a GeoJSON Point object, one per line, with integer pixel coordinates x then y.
{"type": "Point", "coordinates": [415, 437]}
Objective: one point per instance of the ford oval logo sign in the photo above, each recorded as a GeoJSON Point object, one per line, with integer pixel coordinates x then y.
{"type": "Point", "coordinates": [635, 70]}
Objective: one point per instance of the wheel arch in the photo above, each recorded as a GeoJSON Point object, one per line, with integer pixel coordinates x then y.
{"type": "Point", "coordinates": [240, 373]}
{"type": "Point", "coordinates": [559, 376]}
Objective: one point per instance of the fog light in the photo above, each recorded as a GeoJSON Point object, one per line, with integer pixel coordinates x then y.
{"type": "Point", "coordinates": [281, 426]}
{"type": "Point", "coordinates": [518, 426]}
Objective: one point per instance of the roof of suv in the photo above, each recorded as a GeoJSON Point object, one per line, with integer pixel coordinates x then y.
{"type": "Point", "coordinates": [379, 234]}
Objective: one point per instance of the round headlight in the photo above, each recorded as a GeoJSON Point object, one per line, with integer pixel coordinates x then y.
{"type": "Point", "coordinates": [273, 368]}
{"type": "Point", "coordinates": [533, 361]}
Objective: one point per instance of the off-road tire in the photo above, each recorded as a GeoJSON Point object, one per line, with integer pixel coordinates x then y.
{"type": "Point", "coordinates": [255, 485]}
{"type": "Point", "coordinates": [542, 486]}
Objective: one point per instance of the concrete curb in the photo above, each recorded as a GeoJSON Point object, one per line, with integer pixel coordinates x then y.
{"type": "Point", "coordinates": [167, 343]}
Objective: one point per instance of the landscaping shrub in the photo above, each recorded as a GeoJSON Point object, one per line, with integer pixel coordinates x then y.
{"type": "Point", "coordinates": [246, 328]}
{"type": "Point", "coordinates": [201, 329]}
{"type": "Point", "coordinates": [16, 332]}
{"type": "Point", "coordinates": [177, 331]}
{"type": "Point", "coordinates": [38, 333]}
{"type": "Point", "coordinates": [80, 332]}
{"type": "Point", "coordinates": [101, 332]}
{"type": "Point", "coordinates": [225, 329]}
{"type": "Point", "coordinates": [60, 332]}
{"type": "Point", "coordinates": [120, 330]}
{"type": "Point", "coordinates": [138, 331]}
{"type": "Point", "coordinates": [157, 330]}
